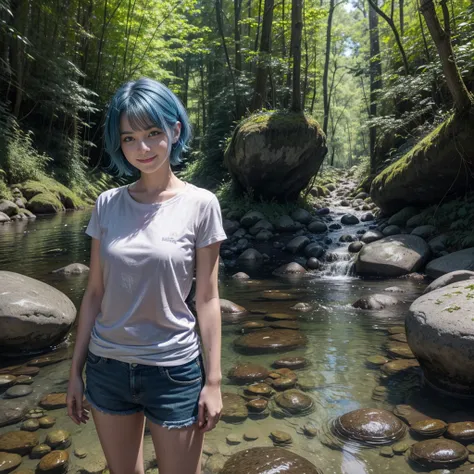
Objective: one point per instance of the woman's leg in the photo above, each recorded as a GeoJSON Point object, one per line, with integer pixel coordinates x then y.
{"type": "Point", "coordinates": [121, 437]}
{"type": "Point", "coordinates": [178, 450]}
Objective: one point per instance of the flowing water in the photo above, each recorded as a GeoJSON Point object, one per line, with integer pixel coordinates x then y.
{"type": "Point", "coordinates": [340, 340]}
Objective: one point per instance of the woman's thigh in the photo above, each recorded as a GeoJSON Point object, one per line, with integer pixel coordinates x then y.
{"type": "Point", "coordinates": [121, 438]}
{"type": "Point", "coordinates": [178, 450]}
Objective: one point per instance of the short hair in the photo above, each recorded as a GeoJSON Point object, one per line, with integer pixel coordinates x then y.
{"type": "Point", "coordinates": [144, 101]}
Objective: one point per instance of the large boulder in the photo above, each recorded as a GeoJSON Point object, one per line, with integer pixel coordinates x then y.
{"type": "Point", "coordinates": [448, 278]}
{"type": "Point", "coordinates": [462, 260]}
{"type": "Point", "coordinates": [393, 256]}
{"type": "Point", "coordinates": [432, 169]}
{"type": "Point", "coordinates": [33, 315]}
{"type": "Point", "coordinates": [274, 154]}
{"type": "Point", "coordinates": [440, 332]}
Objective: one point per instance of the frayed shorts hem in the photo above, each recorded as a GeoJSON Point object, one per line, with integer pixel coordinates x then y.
{"type": "Point", "coordinates": [111, 412]}
{"type": "Point", "coordinates": [173, 424]}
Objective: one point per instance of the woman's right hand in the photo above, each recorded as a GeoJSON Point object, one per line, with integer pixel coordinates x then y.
{"type": "Point", "coordinates": [74, 399]}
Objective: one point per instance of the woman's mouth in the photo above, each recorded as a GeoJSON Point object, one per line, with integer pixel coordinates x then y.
{"type": "Point", "coordinates": [147, 160]}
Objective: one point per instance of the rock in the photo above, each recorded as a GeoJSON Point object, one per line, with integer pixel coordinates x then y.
{"type": "Point", "coordinates": [19, 442]}
{"type": "Point", "coordinates": [286, 224]}
{"type": "Point", "coordinates": [248, 373]}
{"type": "Point", "coordinates": [265, 460]}
{"type": "Point", "coordinates": [438, 244]}
{"type": "Point", "coordinates": [39, 451]}
{"type": "Point", "coordinates": [317, 227]}
{"type": "Point", "coordinates": [294, 401]}
{"type": "Point", "coordinates": [53, 401]}
{"type": "Point", "coordinates": [391, 230]}
{"type": "Point", "coordinates": [368, 216]}
{"type": "Point", "coordinates": [23, 370]}
{"type": "Point", "coordinates": [228, 306]}
{"type": "Point", "coordinates": [259, 226]}
{"type": "Point", "coordinates": [394, 289]}
{"type": "Point", "coordinates": [234, 408]}
{"type": "Point", "coordinates": [392, 256]}
{"type": "Point", "coordinates": [375, 302]}
{"type": "Point", "coordinates": [313, 263]}
{"type": "Point", "coordinates": [49, 359]}
{"type": "Point", "coordinates": [291, 363]}
{"type": "Point", "coordinates": [7, 380]}
{"type": "Point", "coordinates": [250, 256]}
{"type": "Point", "coordinates": [47, 421]}
{"type": "Point", "coordinates": [401, 217]}
{"type": "Point", "coordinates": [371, 236]}
{"type": "Point", "coordinates": [462, 431]}
{"type": "Point", "coordinates": [43, 318]}
{"type": "Point", "coordinates": [396, 330]}
{"type": "Point", "coordinates": [313, 250]}
{"type": "Point", "coordinates": [398, 338]}
{"type": "Point", "coordinates": [72, 269]}
{"type": "Point", "coordinates": [448, 278]}
{"type": "Point", "coordinates": [215, 464]}
{"type": "Point", "coordinates": [398, 365]}
{"type": "Point", "coordinates": [400, 447]}
{"type": "Point", "coordinates": [263, 236]}
{"type": "Point", "coordinates": [251, 434]}
{"type": "Point", "coordinates": [310, 430]}
{"type": "Point", "coordinates": [349, 219]}
{"type": "Point", "coordinates": [297, 244]}
{"type": "Point", "coordinates": [30, 425]}
{"type": "Point", "coordinates": [281, 438]}
{"type": "Point", "coordinates": [303, 307]}
{"type": "Point", "coordinates": [438, 453]}
{"type": "Point", "coordinates": [335, 226]}
{"type": "Point", "coordinates": [233, 439]}
{"type": "Point", "coordinates": [58, 439]}
{"type": "Point", "coordinates": [56, 462]}
{"type": "Point", "coordinates": [302, 216]}
{"type": "Point", "coordinates": [251, 218]}
{"type": "Point", "coordinates": [400, 350]}
{"type": "Point", "coordinates": [12, 411]}
{"type": "Point", "coordinates": [424, 231]}
{"type": "Point", "coordinates": [387, 452]}
{"type": "Point", "coordinates": [275, 154]}
{"type": "Point", "coordinates": [409, 414]}
{"type": "Point", "coordinates": [9, 461]}
{"type": "Point", "coordinates": [441, 335]}
{"type": "Point", "coordinates": [324, 211]}
{"type": "Point", "coordinates": [250, 326]}
{"type": "Point", "coordinates": [259, 389]}
{"type": "Point", "coordinates": [258, 405]}
{"type": "Point", "coordinates": [264, 341]}
{"type": "Point", "coordinates": [371, 426]}
{"type": "Point", "coordinates": [430, 428]}
{"type": "Point", "coordinates": [355, 247]}
{"type": "Point", "coordinates": [4, 218]}
{"type": "Point", "coordinates": [279, 317]}
{"type": "Point", "coordinates": [377, 360]}
{"type": "Point", "coordinates": [461, 260]}
{"type": "Point", "coordinates": [240, 276]}
{"type": "Point", "coordinates": [277, 295]}
{"type": "Point", "coordinates": [8, 207]}
{"type": "Point", "coordinates": [292, 268]}
{"type": "Point", "coordinates": [18, 391]}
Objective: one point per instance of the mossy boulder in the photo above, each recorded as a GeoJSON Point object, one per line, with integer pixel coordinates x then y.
{"type": "Point", "coordinates": [45, 203]}
{"type": "Point", "coordinates": [273, 155]}
{"type": "Point", "coordinates": [440, 164]}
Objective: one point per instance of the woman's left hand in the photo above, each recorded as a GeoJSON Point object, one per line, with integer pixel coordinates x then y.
{"type": "Point", "coordinates": [210, 407]}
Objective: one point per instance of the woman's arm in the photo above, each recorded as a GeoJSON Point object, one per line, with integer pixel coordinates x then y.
{"type": "Point", "coordinates": [209, 319]}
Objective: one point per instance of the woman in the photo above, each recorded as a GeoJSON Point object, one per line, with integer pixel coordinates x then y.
{"type": "Point", "coordinates": [136, 335]}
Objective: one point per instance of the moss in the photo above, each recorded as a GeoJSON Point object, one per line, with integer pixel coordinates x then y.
{"type": "Point", "coordinates": [45, 200]}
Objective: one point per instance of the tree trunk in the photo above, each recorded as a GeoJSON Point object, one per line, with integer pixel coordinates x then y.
{"type": "Point", "coordinates": [296, 30]}
{"type": "Point", "coordinates": [263, 57]}
{"type": "Point", "coordinates": [463, 100]}
{"type": "Point", "coordinates": [402, 16]}
{"type": "Point", "coordinates": [21, 15]}
{"type": "Point", "coordinates": [326, 67]}
{"type": "Point", "coordinates": [238, 54]}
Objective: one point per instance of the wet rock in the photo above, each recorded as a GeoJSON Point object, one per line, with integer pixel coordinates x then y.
{"type": "Point", "coordinates": [284, 383]}
{"type": "Point", "coordinates": [250, 256]}
{"type": "Point", "coordinates": [287, 224]}
{"type": "Point", "coordinates": [250, 326]}
{"type": "Point", "coordinates": [259, 390]}
{"type": "Point", "coordinates": [438, 453]}
{"type": "Point", "coordinates": [377, 360]}
{"type": "Point", "coordinates": [400, 350]}
{"type": "Point", "coordinates": [371, 236]}
{"type": "Point", "coordinates": [233, 439]}
{"type": "Point", "coordinates": [281, 438]}
{"type": "Point", "coordinates": [53, 401]}
{"type": "Point", "coordinates": [48, 359]}
{"type": "Point", "coordinates": [294, 401]}
{"type": "Point", "coordinates": [4, 218]}
{"type": "Point", "coordinates": [234, 408]}
{"type": "Point", "coordinates": [394, 289]}
{"type": "Point", "coordinates": [280, 317]}
{"type": "Point", "coordinates": [461, 470]}
{"type": "Point", "coordinates": [398, 365]}
{"type": "Point", "coordinates": [448, 278]}
{"type": "Point", "coordinates": [377, 301]}
{"type": "Point", "coordinates": [292, 268]}
{"type": "Point", "coordinates": [12, 411]}
{"type": "Point", "coordinates": [303, 307]}
{"type": "Point", "coordinates": [368, 216]}
{"type": "Point", "coordinates": [18, 391]}
{"type": "Point", "coordinates": [396, 330]}
{"type": "Point", "coordinates": [463, 432]}
{"type": "Point", "coordinates": [35, 413]}
{"type": "Point", "coordinates": [266, 460]}
{"type": "Point", "coordinates": [313, 263]}
{"type": "Point", "coordinates": [262, 225]}
{"type": "Point", "coordinates": [39, 451]}
{"type": "Point", "coordinates": [270, 341]}
{"type": "Point", "coordinates": [258, 405]}
{"type": "Point", "coordinates": [355, 247]}
{"type": "Point", "coordinates": [9, 461]}
{"type": "Point", "coordinates": [215, 464]}
{"type": "Point", "coordinates": [251, 435]}
{"type": "Point", "coordinates": [56, 462]}
{"type": "Point", "coordinates": [400, 447]}
{"type": "Point", "coordinates": [310, 430]}
{"type": "Point", "coordinates": [58, 439]}
{"type": "Point", "coordinates": [42, 319]}
{"type": "Point", "coordinates": [302, 216]}
{"type": "Point", "coordinates": [317, 227]}
{"type": "Point", "coordinates": [30, 425]}
{"type": "Point", "coordinates": [230, 307]}
{"type": "Point", "coordinates": [441, 335]}
{"type": "Point", "coordinates": [291, 363]}
{"type": "Point", "coordinates": [398, 337]}
{"type": "Point", "coordinates": [230, 226]}
{"type": "Point", "coordinates": [424, 231]}
{"type": "Point", "coordinates": [240, 276]}
{"type": "Point", "coordinates": [251, 218]}
{"type": "Point", "coordinates": [6, 380]}
{"type": "Point", "coordinates": [461, 260]}
{"type": "Point", "coordinates": [19, 442]}
{"type": "Point", "coordinates": [80, 453]}
{"type": "Point", "coordinates": [314, 250]}
{"type": "Point", "coordinates": [430, 428]}
{"type": "Point", "coordinates": [387, 452]}
{"type": "Point", "coordinates": [409, 414]}
{"type": "Point", "coordinates": [391, 230]}
{"type": "Point", "coordinates": [72, 269]}
{"type": "Point", "coordinates": [349, 219]}
{"type": "Point", "coordinates": [335, 226]}
{"type": "Point", "coordinates": [401, 217]}
{"type": "Point", "coordinates": [370, 426]}
{"type": "Point", "coordinates": [284, 324]}
{"type": "Point", "coordinates": [277, 295]}
{"type": "Point", "coordinates": [248, 373]}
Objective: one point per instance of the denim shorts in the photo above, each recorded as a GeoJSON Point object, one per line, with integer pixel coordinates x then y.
{"type": "Point", "coordinates": [168, 396]}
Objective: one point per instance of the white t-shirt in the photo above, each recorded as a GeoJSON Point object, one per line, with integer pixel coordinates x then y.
{"type": "Point", "coordinates": [147, 255]}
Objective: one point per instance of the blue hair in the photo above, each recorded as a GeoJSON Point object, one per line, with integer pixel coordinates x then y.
{"type": "Point", "coordinates": [145, 103]}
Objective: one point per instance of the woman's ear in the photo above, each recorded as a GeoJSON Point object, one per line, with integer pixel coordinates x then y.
{"type": "Point", "coordinates": [176, 131]}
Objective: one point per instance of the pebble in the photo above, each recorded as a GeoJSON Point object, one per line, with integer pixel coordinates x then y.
{"type": "Point", "coordinates": [386, 452]}
{"type": "Point", "coordinates": [55, 462]}
{"type": "Point", "coordinates": [53, 401]}
{"type": "Point", "coordinates": [58, 439]}
{"type": "Point", "coordinates": [30, 425]}
{"type": "Point", "coordinates": [400, 447]}
{"type": "Point", "coordinates": [9, 461]}
{"type": "Point", "coordinates": [18, 391]}
{"type": "Point", "coordinates": [310, 430]}
{"type": "Point", "coordinates": [80, 453]}
{"type": "Point", "coordinates": [251, 435]}
{"type": "Point", "coordinates": [377, 360]}
{"type": "Point", "coordinates": [396, 329]}
{"type": "Point", "coordinates": [37, 413]}
{"type": "Point", "coordinates": [47, 421]}
{"type": "Point", "coordinates": [281, 437]}
{"type": "Point", "coordinates": [24, 380]}
{"type": "Point", "coordinates": [39, 451]}
{"type": "Point", "coordinates": [7, 380]}
{"type": "Point", "coordinates": [233, 439]}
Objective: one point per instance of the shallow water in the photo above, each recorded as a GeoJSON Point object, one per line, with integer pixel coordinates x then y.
{"type": "Point", "coordinates": [340, 340]}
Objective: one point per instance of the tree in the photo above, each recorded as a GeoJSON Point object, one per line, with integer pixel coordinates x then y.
{"type": "Point", "coordinates": [296, 30]}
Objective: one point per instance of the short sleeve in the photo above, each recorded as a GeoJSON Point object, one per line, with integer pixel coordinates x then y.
{"type": "Point", "coordinates": [93, 228]}
{"type": "Point", "coordinates": [210, 229]}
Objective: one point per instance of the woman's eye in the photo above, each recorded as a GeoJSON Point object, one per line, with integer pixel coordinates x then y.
{"type": "Point", "coordinates": [127, 139]}
{"type": "Point", "coordinates": [154, 133]}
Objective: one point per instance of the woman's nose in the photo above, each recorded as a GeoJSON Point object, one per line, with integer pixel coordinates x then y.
{"type": "Point", "coordinates": [143, 146]}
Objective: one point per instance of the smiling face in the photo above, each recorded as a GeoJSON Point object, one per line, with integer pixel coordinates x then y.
{"type": "Point", "coordinates": [146, 149]}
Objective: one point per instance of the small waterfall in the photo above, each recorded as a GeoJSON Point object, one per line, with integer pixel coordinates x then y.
{"type": "Point", "coordinates": [339, 265]}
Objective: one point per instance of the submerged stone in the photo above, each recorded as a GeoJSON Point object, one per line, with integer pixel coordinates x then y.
{"type": "Point", "coordinates": [291, 363]}
{"type": "Point", "coordinates": [270, 341]}
{"type": "Point", "coordinates": [19, 442]}
{"type": "Point", "coordinates": [248, 373]}
{"type": "Point", "coordinates": [400, 350]}
{"type": "Point", "coordinates": [234, 408]}
{"type": "Point", "coordinates": [463, 431]}
{"type": "Point", "coordinates": [430, 428]}
{"type": "Point", "coordinates": [438, 453]}
{"type": "Point", "coordinates": [398, 365]}
{"type": "Point", "coordinates": [294, 401]}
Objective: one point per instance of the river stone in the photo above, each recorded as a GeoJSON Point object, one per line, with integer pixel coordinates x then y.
{"type": "Point", "coordinates": [233, 438]}
{"type": "Point", "coordinates": [400, 350]}
{"type": "Point", "coordinates": [377, 360]}
{"type": "Point", "coordinates": [424, 231]}
{"type": "Point", "coordinates": [313, 263]}
{"type": "Point", "coordinates": [33, 315]}
{"type": "Point", "coordinates": [250, 256]}
{"type": "Point", "coordinates": [377, 301]}
{"type": "Point", "coordinates": [396, 330]}
{"type": "Point", "coordinates": [284, 383]}
{"type": "Point", "coordinates": [4, 218]}
{"type": "Point", "coordinates": [248, 373]}
{"type": "Point", "coordinates": [314, 250]}
{"type": "Point", "coordinates": [47, 421]}
{"type": "Point", "coordinates": [58, 439]}
{"type": "Point", "coordinates": [462, 431]}
{"type": "Point", "coordinates": [355, 247]}
{"type": "Point", "coordinates": [234, 408]}
{"type": "Point", "coordinates": [230, 226]}
{"type": "Point", "coordinates": [72, 269]}
{"type": "Point", "coordinates": [280, 317]}
{"type": "Point", "coordinates": [286, 224]}
{"type": "Point", "coordinates": [387, 452]}
{"type": "Point", "coordinates": [39, 451]}
{"type": "Point", "coordinates": [370, 425]}
{"type": "Point", "coordinates": [296, 244]}
{"type": "Point", "coordinates": [393, 256]}
{"type": "Point", "coordinates": [251, 218]}
{"type": "Point", "coordinates": [19, 442]}
{"type": "Point", "coordinates": [463, 469]}
{"type": "Point", "coordinates": [284, 324]}
{"type": "Point", "coordinates": [371, 236]}
{"type": "Point", "coordinates": [310, 430]}
{"type": "Point", "coordinates": [268, 460]}
{"type": "Point", "coordinates": [302, 216]}
{"type": "Point", "coordinates": [251, 434]}
{"type": "Point", "coordinates": [240, 276]}
{"type": "Point", "coordinates": [56, 462]}
{"type": "Point", "coordinates": [7, 380]}
{"type": "Point", "coordinates": [349, 219]}
{"type": "Point", "coordinates": [24, 380]}
{"type": "Point", "coordinates": [9, 461]}
{"type": "Point", "coordinates": [461, 260]}
{"type": "Point", "coordinates": [294, 401]}
{"type": "Point", "coordinates": [277, 295]}
{"type": "Point", "coordinates": [303, 307]}
{"type": "Point", "coordinates": [250, 326]}
{"type": "Point", "coordinates": [258, 405]}
{"type": "Point", "coordinates": [215, 463]}
{"type": "Point", "coordinates": [292, 268]}
{"type": "Point", "coordinates": [30, 425]}
{"type": "Point", "coordinates": [291, 363]}
{"type": "Point", "coordinates": [53, 401]}
{"type": "Point", "coordinates": [18, 391]}
{"type": "Point", "coordinates": [448, 278]}
{"type": "Point", "coordinates": [398, 365]}
{"type": "Point", "coordinates": [400, 447]}
{"type": "Point", "coordinates": [12, 411]}
{"type": "Point", "coordinates": [230, 307]}
{"type": "Point", "coordinates": [391, 230]}
{"type": "Point", "coordinates": [8, 207]}
{"type": "Point", "coordinates": [48, 359]}
{"type": "Point", "coordinates": [265, 341]}
{"type": "Point", "coordinates": [440, 333]}
{"type": "Point", "coordinates": [398, 337]}
{"type": "Point", "coordinates": [261, 225]}
{"type": "Point", "coordinates": [259, 389]}
{"type": "Point", "coordinates": [430, 428]}
{"type": "Point", "coordinates": [438, 453]}
{"type": "Point", "coordinates": [409, 414]}
{"type": "Point", "coordinates": [317, 227]}
{"type": "Point", "coordinates": [366, 217]}
{"type": "Point", "coordinates": [281, 438]}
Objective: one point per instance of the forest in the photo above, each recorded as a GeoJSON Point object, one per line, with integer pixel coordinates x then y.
{"type": "Point", "coordinates": [375, 75]}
